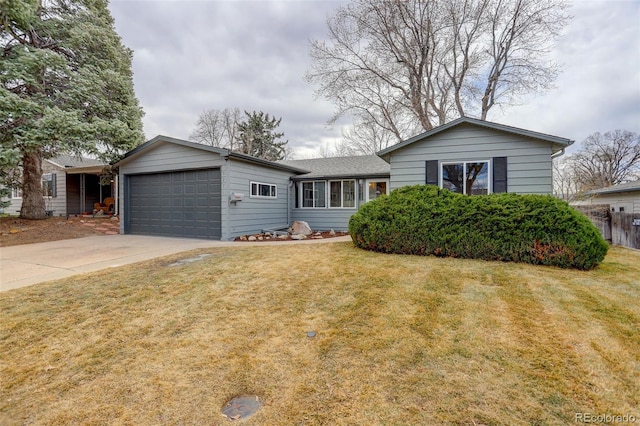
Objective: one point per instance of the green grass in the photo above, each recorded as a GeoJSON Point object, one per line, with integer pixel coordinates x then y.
{"type": "Point", "coordinates": [401, 340]}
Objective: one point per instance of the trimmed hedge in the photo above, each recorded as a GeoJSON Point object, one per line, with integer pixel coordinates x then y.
{"type": "Point", "coordinates": [427, 220]}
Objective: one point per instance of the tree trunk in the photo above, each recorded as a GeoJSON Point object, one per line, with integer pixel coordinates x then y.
{"type": "Point", "coordinates": [32, 200]}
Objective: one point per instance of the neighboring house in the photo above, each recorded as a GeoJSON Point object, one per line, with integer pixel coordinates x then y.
{"type": "Point", "coordinates": [71, 185]}
{"type": "Point", "coordinates": [624, 197]}
{"type": "Point", "coordinates": [173, 187]}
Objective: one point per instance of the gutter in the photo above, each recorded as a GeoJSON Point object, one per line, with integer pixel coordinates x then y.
{"type": "Point", "coordinates": [558, 154]}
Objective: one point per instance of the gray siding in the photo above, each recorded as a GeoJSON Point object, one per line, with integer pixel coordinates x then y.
{"type": "Point", "coordinates": [166, 157]}
{"type": "Point", "coordinates": [528, 160]}
{"type": "Point", "coordinates": [325, 219]}
{"type": "Point", "coordinates": [252, 215]}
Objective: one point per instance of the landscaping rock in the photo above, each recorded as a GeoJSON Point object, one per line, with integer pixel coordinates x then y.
{"type": "Point", "coordinates": [301, 227]}
{"type": "Point", "coordinates": [332, 233]}
{"type": "Point", "coordinates": [252, 238]}
{"type": "Point", "coordinates": [298, 237]}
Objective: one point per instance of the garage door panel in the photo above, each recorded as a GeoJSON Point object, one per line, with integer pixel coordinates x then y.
{"type": "Point", "coordinates": [180, 204]}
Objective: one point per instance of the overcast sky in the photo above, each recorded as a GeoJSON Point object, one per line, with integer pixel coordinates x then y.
{"type": "Point", "coordinates": [190, 56]}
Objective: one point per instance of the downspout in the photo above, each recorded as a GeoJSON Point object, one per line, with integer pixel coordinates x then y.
{"type": "Point", "coordinates": [116, 189]}
{"type": "Point", "coordinates": [289, 186]}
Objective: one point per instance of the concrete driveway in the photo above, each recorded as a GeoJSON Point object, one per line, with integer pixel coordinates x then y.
{"type": "Point", "coordinates": [29, 264]}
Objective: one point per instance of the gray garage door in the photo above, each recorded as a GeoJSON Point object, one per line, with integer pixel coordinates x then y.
{"type": "Point", "coordinates": [176, 204]}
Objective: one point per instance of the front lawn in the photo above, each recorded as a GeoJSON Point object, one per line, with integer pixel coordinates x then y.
{"type": "Point", "coordinates": [400, 340]}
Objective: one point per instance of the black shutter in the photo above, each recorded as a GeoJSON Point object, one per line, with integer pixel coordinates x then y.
{"type": "Point", "coordinates": [54, 185]}
{"type": "Point", "coordinates": [431, 172]}
{"type": "Point", "coordinates": [499, 174]}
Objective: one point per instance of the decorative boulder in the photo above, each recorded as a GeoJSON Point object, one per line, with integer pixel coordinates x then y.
{"type": "Point", "coordinates": [298, 237]}
{"type": "Point", "coordinates": [300, 227]}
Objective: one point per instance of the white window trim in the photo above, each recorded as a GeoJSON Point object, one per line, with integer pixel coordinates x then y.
{"type": "Point", "coordinates": [366, 187]}
{"type": "Point", "coordinates": [355, 194]}
{"type": "Point", "coordinates": [301, 194]}
{"type": "Point", "coordinates": [464, 166]}
{"type": "Point", "coordinates": [264, 197]}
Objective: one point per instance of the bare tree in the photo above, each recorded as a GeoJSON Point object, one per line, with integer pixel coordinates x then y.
{"type": "Point", "coordinates": [217, 127]}
{"type": "Point", "coordinates": [565, 185]}
{"type": "Point", "coordinates": [606, 160]}
{"type": "Point", "coordinates": [410, 65]}
{"type": "Point", "coordinates": [365, 138]}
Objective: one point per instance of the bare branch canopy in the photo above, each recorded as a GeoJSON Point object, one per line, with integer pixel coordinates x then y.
{"type": "Point", "coordinates": [405, 66]}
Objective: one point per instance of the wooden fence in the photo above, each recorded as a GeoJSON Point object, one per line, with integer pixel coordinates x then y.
{"type": "Point", "coordinates": [619, 228]}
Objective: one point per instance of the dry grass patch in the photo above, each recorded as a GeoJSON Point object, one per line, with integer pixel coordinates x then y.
{"type": "Point", "coordinates": [401, 340]}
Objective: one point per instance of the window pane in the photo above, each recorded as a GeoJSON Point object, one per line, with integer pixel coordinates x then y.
{"type": "Point", "coordinates": [452, 177]}
{"type": "Point", "coordinates": [349, 193]}
{"type": "Point", "coordinates": [320, 194]}
{"type": "Point", "coordinates": [273, 190]}
{"type": "Point", "coordinates": [307, 194]}
{"type": "Point", "coordinates": [254, 189]}
{"type": "Point", "coordinates": [47, 185]}
{"type": "Point", "coordinates": [335, 194]}
{"type": "Point", "coordinates": [477, 178]}
{"type": "Point", "coordinates": [377, 189]}
{"type": "Point", "coordinates": [265, 191]}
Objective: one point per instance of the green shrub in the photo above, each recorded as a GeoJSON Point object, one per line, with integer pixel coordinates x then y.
{"type": "Point", "coordinates": [426, 220]}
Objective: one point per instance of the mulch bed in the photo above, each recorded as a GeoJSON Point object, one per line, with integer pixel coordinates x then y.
{"type": "Point", "coordinates": [15, 231]}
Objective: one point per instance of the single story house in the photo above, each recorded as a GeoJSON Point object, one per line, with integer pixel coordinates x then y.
{"type": "Point", "coordinates": [71, 185]}
{"type": "Point", "coordinates": [624, 197]}
{"type": "Point", "coordinates": [173, 187]}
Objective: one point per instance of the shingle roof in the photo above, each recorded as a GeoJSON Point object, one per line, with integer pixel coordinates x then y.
{"type": "Point", "coordinates": [66, 160]}
{"type": "Point", "coordinates": [623, 187]}
{"type": "Point", "coordinates": [337, 167]}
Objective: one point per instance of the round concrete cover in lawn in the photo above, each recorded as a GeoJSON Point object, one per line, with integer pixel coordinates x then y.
{"type": "Point", "coordinates": [241, 407]}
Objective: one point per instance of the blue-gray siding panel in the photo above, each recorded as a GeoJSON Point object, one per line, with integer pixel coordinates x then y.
{"type": "Point", "coordinates": [252, 215]}
{"type": "Point", "coordinates": [325, 219]}
{"type": "Point", "coordinates": [528, 160]}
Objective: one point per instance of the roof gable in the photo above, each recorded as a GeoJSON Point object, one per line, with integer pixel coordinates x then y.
{"type": "Point", "coordinates": [160, 139]}
{"type": "Point", "coordinates": [557, 142]}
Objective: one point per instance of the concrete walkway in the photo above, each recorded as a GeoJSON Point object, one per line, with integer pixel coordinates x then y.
{"type": "Point", "coordinates": [29, 264]}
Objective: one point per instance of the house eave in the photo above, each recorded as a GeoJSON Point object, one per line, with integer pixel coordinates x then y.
{"type": "Point", "coordinates": [557, 142]}
{"type": "Point", "coordinates": [342, 177]}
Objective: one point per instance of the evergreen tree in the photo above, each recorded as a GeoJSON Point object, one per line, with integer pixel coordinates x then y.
{"type": "Point", "coordinates": [66, 86]}
{"type": "Point", "coordinates": [257, 136]}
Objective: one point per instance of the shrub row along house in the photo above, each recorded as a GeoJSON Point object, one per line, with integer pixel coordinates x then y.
{"type": "Point", "coordinates": [172, 187]}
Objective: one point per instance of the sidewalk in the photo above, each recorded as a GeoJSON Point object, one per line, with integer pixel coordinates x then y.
{"type": "Point", "coordinates": [29, 264]}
